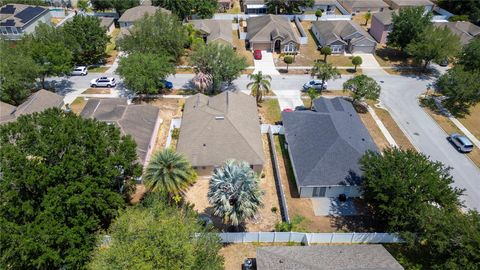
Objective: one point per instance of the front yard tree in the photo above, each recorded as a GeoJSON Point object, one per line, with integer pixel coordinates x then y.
{"type": "Point", "coordinates": [206, 8]}
{"type": "Point", "coordinates": [219, 61]}
{"type": "Point", "coordinates": [169, 172]}
{"type": "Point", "coordinates": [101, 5]}
{"type": "Point", "coordinates": [161, 34]}
{"type": "Point", "coordinates": [362, 87]}
{"type": "Point", "coordinates": [63, 180]}
{"type": "Point", "coordinates": [461, 89]}
{"type": "Point", "coordinates": [325, 51]}
{"type": "Point", "coordinates": [470, 56]}
{"type": "Point", "coordinates": [86, 39]}
{"type": "Point", "coordinates": [408, 25]}
{"type": "Point", "coordinates": [325, 71]}
{"type": "Point", "coordinates": [367, 16]}
{"type": "Point", "coordinates": [435, 44]}
{"type": "Point", "coordinates": [318, 13]}
{"type": "Point", "coordinates": [184, 8]}
{"type": "Point", "coordinates": [143, 73]}
{"type": "Point", "coordinates": [287, 6]}
{"type": "Point", "coordinates": [288, 60]}
{"type": "Point", "coordinates": [356, 61]}
{"type": "Point", "coordinates": [122, 5]}
{"type": "Point", "coordinates": [234, 192]}
{"type": "Point", "coordinates": [313, 94]}
{"type": "Point", "coordinates": [259, 85]}
{"type": "Point", "coordinates": [18, 73]}
{"type": "Point", "coordinates": [155, 235]}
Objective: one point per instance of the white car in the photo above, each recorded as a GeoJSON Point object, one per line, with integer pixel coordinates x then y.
{"type": "Point", "coordinates": [103, 82]}
{"type": "Point", "coordinates": [316, 84]}
{"type": "Point", "coordinates": [80, 71]}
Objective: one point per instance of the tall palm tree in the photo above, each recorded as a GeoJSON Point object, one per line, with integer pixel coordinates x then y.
{"type": "Point", "coordinates": [234, 191]}
{"type": "Point", "coordinates": [170, 172]}
{"type": "Point", "coordinates": [260, 84]}
{"type": "Point", "coordinates": [325, 71]}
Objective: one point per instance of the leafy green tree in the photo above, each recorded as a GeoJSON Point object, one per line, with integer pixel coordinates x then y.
{"type": "Point", "coordinates": [325, 51]}
{"type": "Point", "coordinates": [25, 2]}
{"type": "Point", "coordinates": [400, 185]}
{"type": "Point", "coordinates": [325, 71]}
{"type": "Point", "coordinates": [206, 8]}
{"type": "Point", "coordinates": [259, 84]}
{"type": "Point", "coordinates": [48, 48]}
{"type": "Point", "coordinates": [219, 61]}
{"type": "Point", "coordinates": [161, 34]}
{"type": "Point", "coordinates": [408, 25]}
{"type": "Point", "coordinates": [356, 61]}
{"type": "Point", "coordinates": [82, 4]}
{"type": "Point", "coordinates": [18, 73]}
{"type": "Point", "coordinates": [122, 5]}
{"type": "Point", "coordinates": [155, 235]}
{"type": "Point", "coordinates": [101, 5]}
{"type": "Point", "coordinates": [288, 60]}
{"type": "Point", "coordinates": [470, 56]}
{"type": "Point", "coordinates": [318, 13]}
{"type": "Point", "coordinates": [362, 87]}
{"type": "Point", "coordinates": [181, 8]}
{"type": "Point", "coordinates": [287, 6]}
{"type": "Point", "coordinates": [86, 39]}
{"type": "Point", "coordinates": [63, 179]}
{"type": "Point", "coordinates": [461, 89]}
{"type": "Point", "coordinates": [143, 72]}
{"type": "Point", "coordinates": [435, 44]}
{"type": "Point", "coordinates": [471, 8]}
{"type": "Point", "coordinates": [367, 16]}
{"type": "Point", "coordinates": [170, 172]}
{"type": "Point", "coordinates": [458, 18]}
{"type": "Point", "coordinates": [313, 94]}
{"type": "Point", "coordinates": [234, 192]}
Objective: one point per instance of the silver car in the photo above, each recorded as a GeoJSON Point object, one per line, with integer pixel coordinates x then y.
{"type": "Point", "coordinates": [80, 71]}
{"type": "Point", "coordinates": [462, 143]}
{"type": "Point", "coordinates": [103, 82]}
{"type": "Point", "coordinates": [316, 84]}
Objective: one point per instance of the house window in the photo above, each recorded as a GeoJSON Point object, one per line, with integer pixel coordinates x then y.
{"type": "Point", "coordinates": [337, 48]}
{"type": "Point", "coordinates": [290, 47]}
{"type": "Point", "coordinates": [4, 31]}
{"type": "Point", "coordinates": [319, 191]}
{"type": "Point", "coordinates": [14, 30]}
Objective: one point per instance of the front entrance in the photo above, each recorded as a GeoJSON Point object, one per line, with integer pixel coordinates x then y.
{"type": "Point", "coordinates": [277, 46]}
{"type": "Point", "coordinates": [319, 191]}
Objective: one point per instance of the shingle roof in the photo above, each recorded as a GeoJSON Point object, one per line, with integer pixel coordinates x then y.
{"type": "Point", "coordinates": [265, 28]}
{"type": "Point", "coordinates": [385, 17]}
{"type": "Point", "coordinates": [6, 112]}
{"type": "Point", "coordinates": [332, 31]}
{"type": "Point", "coordinates": [326, 145]}
{"type": "Point", "coordinates": [465, 30]}
{"type": "Point", "coordinates": [365, 3]}
{"type": "Point", "coordinates": [412, 3]}
{"type": "Point", "coordinates": [135, 120]}
{"type": "Point", "coordinates": [106, 21]}
{"type": "Point", "coordinates": [221, 127]}
{"type": "Point", "coordinates": [136, 13]}
{"type": "Point", "coordinates": [217, 30]}
{"type": "Point", "coordinates": [18, 15]}
{"type": "Point", "coordinates": [358, 257]}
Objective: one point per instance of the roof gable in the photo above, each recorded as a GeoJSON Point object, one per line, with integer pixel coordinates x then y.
{"type": "Point", "coordinates": [267, 27]}
{"type": "Point", "coordinates": [331, 31]}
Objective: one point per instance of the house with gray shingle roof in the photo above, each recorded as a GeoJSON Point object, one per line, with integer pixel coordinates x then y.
{"type": "Point", "coordinates": [325, 147]}
{"type": "Point", "coordinates": [214, 30]}
{"type": "Point", "coordinates": [382, 25]}
{"type": "Point", "coordinates": [141, 121]}
{"type": "Point", "coordinates": [466, 31]}
{"type": "Point", "coordinates": [357, 6]}
{"type": "Point", "coordinates": [343, 36]}
{"type": "Point", "coordinates": [272, 33]}
{"type": "Point", "coordinates": [17, 20]}
{"type": "Point", "coordinates": [215, 129]}
{"type": "Point", "coordinates": [332, 257]}
{"type": "Point", "coordinates": [397, 4]}
{"type": "Point", "coordinates": [131, 15]}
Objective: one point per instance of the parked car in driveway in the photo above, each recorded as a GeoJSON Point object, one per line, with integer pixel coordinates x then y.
{"type": "Point", "coordinates": [462, 143]}
{"type": "Point", "coordinates": [80, 71]}
{"type": "Point", "coordinates": [103, 82]}
{"type": "Point", "coordinates": [316, 84]}
{"type": "Point", "coordinates": [257, 54]}
{"type": "Point", "coordinates": [167, 84]}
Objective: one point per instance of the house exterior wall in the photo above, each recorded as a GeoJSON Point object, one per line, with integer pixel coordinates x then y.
{"type": "Point", "coordinates": [15, 33]}
{"type": "Point", "coordinates": [379, 31]}
{"type": "Point", "coordinates": [110, 29]}
{"type": "Point", "coordinates": [331, 191]}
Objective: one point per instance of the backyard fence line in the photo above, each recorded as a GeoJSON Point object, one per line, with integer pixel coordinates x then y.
{"type": "Point", "coordinates": [310, 238]}
{"type": "Point", "coordinates": [302, 17]}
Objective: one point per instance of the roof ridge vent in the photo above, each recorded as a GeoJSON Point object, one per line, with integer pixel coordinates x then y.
{"type": "Point", "coordinates": [220, 117]}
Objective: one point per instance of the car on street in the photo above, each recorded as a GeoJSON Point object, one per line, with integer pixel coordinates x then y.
{"type": "Point", "coordinates": [80, 71]}
{"type": "Point", "coordinates": [257, 54]}
{"type": "Point", "coordinates": [462, 143]}
{"type": "Point", "coordinates": [316, 84]}
{"type": "Point", "coordinates": [103, 82]}
{"type": "Point", "coordinates": [167, 84]}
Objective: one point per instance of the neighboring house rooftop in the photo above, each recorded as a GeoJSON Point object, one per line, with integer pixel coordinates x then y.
{"type": "Point", "coordinates": [138, 121]}
{"type": "Point", "coordinates": [365, 3]}
{"type": "Point", "coordinates": [216, 30]}
{"type": "Point", "coordinates": [332, 31]}
{"type": "Point", "coordinates": [18, 15]}
{"type": "Point", "coordinates": [385, 17]}
{"type": "Point", "coordinates": [465, 30]}
{"type": "Point", "coordinates": [266, 28]}
{"type": "Point", "coordinates": [411, 3]}
{"type": "Point", "coordinates": [325, 2]}
{"type": "Point", "coordinates": [106, 22]}
{"type": "Point", "coordinates": [336, 257]}
{"type": "Point", "coordinates": [326, 145]}
{"type": "Point", "coordinates": [37, 102]}
{"type": "Point", "coordinates": [136, 13]}
{"type": "Point", "coordinates": [221, 127]}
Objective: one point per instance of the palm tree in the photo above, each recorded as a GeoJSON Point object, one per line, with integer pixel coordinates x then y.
{"type": "Point", "coordinates": [326, 51]}
{"type": "Point", "coordinates": [170, 172]}
{"type": "Point", "coordinates": [313, 94]}
{"type": "Point", "coordinates": [259, 85]}
{"type": "Point", "coordinates": [234, 191]}
{"type": "Point", "coordinates": [367, 16]}
{"type": "Point", "coordinates": [325, 71]}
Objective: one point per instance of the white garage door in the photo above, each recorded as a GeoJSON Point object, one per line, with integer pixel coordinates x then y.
{"type": "Point", "coordinates": [362, 49]}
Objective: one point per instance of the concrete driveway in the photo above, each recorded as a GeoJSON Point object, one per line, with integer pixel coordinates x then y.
{"type": "Point", "coordinates": [370, 65]}
{"type": "Point", "coordinates": [288, 99]}
{"type": "Point", "coordinates": [266, 64]}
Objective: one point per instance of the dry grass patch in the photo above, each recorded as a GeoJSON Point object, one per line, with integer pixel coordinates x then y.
{"type": "Point", "coordinates": [472, 121]}
{"type": "Point", "coordinates": [269, 111]}
{"type": "Point", "coordinates": [358, 18]}
{"type": "Point", "coordinates": [340, 60]}
{"type": "Point", "coordinates": [97, 91]}
{"type": "Point", "coordinates": [78, 104]}
{"type": "Point", "coordinates": [184, 71]}
{"type": "Point", "coordinates": [100, 69]}
{"type": "Point", "coordinates": [387, 56]}
{"type": "Point", "coordinates": [374, 130]}
{"type": "Point", "coordinates": [241, 49]}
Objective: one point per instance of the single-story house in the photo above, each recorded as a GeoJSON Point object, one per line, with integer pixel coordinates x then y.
{"type": "Point", "coordinates": [332, 257]}
{"type": "Point", "coordinates": [254, 6]}
{"type": "Point", "coordinates": [381, 25]}
{"type": "Point", "coordinates": [466, 31]}
{"type": "Point", "coordinates": [17, 20]}
{"type": "Point", "coordinates": [325, 147]}
{"type": "Point", "coordinates": [37, 102]}
{"type": "Point", "coordinates": [108, 24]}
{"type": "Point", "coordinates": [357, 6]}
{"type": "Point", "coordinates": [131, 15]}
{"type": "Point", "coordinates": [397, 4]}
{"type": "Point", "coordinates": [214, 30]}
{"type": "Point", "coordinates": [327, 6]}
{"type": "Point", "coordinates": [224, 5]}
{"type": "Point", "coordinates": [272, 33]}
{"type": "Point", "coordinates": [140, 121]}
{"type": "Point", "coordinates": [343, 36]}
{"type": "Point", "coordinates": [215, 129]}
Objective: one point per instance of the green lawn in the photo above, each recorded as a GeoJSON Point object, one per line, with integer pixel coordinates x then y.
{"type": "Point", "coordinates": [270, 110]}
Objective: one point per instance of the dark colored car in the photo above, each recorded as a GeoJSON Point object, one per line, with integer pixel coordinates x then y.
{"type": "Point", "coordinates": [167, 84]}
{"type": "Point", "coordinates": [257, 54]}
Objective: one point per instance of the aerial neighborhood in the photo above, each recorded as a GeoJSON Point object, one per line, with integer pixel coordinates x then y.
{"type": "Point", "coordinates": [240, 134]}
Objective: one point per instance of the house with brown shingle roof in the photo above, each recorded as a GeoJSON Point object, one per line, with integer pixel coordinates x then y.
{"type": "Point", "coordinates": [397, 4]}
{"type": "Point", "coordinates": [215, 129]}
{"type": "Point", "coordinates": [272, 33]}
{"type": "Point", "coordinates": [357, 6]}
{"type": "Point", "coordinates": [131, 15]}
{"type": "Point", "coordinates": [466, 31]}
{"type": "Point", "coordinates": [214, 30]}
